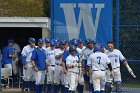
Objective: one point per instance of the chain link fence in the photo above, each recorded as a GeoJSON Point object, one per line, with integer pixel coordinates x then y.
{"type": "Point", "coordinates": [129, 42]}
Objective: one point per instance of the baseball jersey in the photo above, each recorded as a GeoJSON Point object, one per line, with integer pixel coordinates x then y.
{"type": "Point", "coordinates": [80, 51]}
{"type": "Point", "coordinates": [115, 57]}
{"type": "Point", "coordinates": [57, 52]}
{"type": "Point", "coordinates": [26, 54]}
{"type": "Point", "coordinates": [5, 55]}
{"type": "Point", "coordinates": [98, 61]}
{"type": "Point", "coordinates": [74, 61]}
{"type": "Point", "coordinates": [50, 55]}
{"type": "Point", "coordinates": [87, 52]}
{"type": "Point", "coordinates": [39, 57]}
{"type": "Point", "coordinates": [45, 48]}
{"type": "Point", "coordinates": [67, 53]}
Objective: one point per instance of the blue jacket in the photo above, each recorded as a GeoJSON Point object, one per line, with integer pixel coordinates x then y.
{"type": "Point", "coordinates": [39, 57]}
{"type": "Point", "coordinates": [5, 55]}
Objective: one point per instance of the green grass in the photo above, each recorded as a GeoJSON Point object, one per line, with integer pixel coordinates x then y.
{"type": "Point", "coordinates": [132, 84]}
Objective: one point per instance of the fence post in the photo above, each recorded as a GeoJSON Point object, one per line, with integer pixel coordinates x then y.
{"type": "Point", "coordinates": [52, 19]}
{"type": "Point", "coordinates": [117, 23]}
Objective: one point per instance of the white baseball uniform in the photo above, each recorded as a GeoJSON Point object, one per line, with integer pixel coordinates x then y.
{"type": "Point", "coordinates": [72, 73]}
{"type": "Point", "coordinates": [50, 55]}
{"type": "Point", "coordinates": [115, 57]}
{"type": "Point", "coordinates": [98, 61]}
{"type": "Point", "coordinates": [28, 74]}
{"type": "Point", "coordinates": [59, 72]}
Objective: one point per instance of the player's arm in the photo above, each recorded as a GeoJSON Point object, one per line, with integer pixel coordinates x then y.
{"type": "Point", "coordinates": [24, 56]}
{"type": "Point", "coordinates": [108, 63]}
{"type": "Point", "coordinates": [122, 59]}
{"type": "Point", "coordinates": [129, 69]}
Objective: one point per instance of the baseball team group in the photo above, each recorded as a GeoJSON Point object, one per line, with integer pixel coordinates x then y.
{"type": "Point", "coordinates": [61, 66]}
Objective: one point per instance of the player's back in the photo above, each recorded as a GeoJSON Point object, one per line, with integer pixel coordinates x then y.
{"type": "Point", "coordinates": [99, 61]}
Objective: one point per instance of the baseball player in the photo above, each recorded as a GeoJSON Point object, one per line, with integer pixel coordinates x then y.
{"type": "Point", "coordinates": [28, 71]}
{"type": "Point", "coordinates": [72, 67]}
{"type": "Point", "coordinates": [7, 55]}
{"type": "Point", "coordinates": [116, 57]}
{"type": "Point", "coordinates": [65, 55]}
{"type": "Point", "coordinates": [50, 55]}
{"type": "Point", "coordinates": [16, 52]}
{"type": "Point", "coordinates": [80, 49]}
{"type": "Point", "coordinates": [87, 52]}
{"type": "Point", "coordinates": [38, 60]}
{"type": "Point", "coordinates": [47, 43]}
{"type": "Point", "coordinates": [98, 62]}
{"type": "Point", "coordinates": [59, 73]}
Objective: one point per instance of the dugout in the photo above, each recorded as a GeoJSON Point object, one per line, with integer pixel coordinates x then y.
{"type": "Point", "coordinates": [21, 28]}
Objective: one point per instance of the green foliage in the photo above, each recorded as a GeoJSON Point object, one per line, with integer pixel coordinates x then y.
{"type": "Point", "coordinates": [47, 6]}
{"type": "Point", "coordinates": [24, 8]}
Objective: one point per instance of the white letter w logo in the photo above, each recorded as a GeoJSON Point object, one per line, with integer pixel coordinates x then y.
{"type": "Point", "coordinates": [85, 15]}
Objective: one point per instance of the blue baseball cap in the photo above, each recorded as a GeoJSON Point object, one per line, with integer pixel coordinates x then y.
{"type": "Point", "coordinates": [40, 41]}
{"type": "Point", "coordinates": [31, 40]}
{"type": "Point", "coordinates": [74, 43]}
{"type": "Point", "coordinates": [88, 41]}
{"type": "Point", "coordinates": [53, 43]}
{"type": "Point", "coordinates": [97, 48]}
{"type": "Point", "coordinates": [62, 42]}
{"type": "Point", "coordinates": [10, 41]}
{"type": "Point", "coordinates": [80, 41]}
{"type": "Point", "coordinates": [47, 40]}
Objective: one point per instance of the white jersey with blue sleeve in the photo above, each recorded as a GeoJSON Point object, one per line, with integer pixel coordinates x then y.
{"type": "Point", "coordinates": [87, 52]}
{"type": "Point", "coordinates": [115, 57]}
{"type": "Point", "coordinates": [27, 53]}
